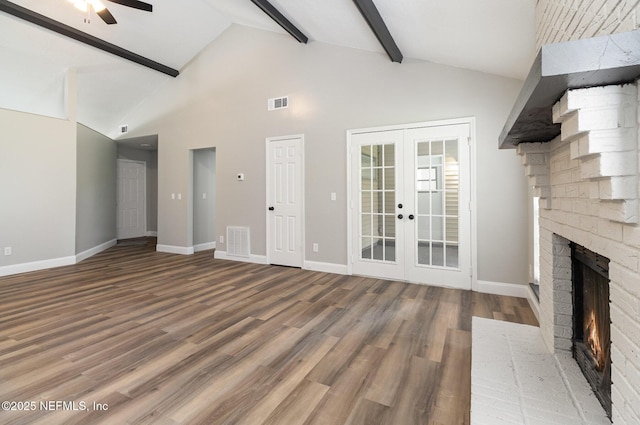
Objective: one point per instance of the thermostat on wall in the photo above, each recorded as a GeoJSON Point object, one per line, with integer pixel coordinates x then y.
{"type": "Point", "coordinates": [240, 177]}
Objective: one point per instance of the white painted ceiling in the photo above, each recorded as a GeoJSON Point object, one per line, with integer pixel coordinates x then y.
{"type": "Point", "coordinates": [492, 36]}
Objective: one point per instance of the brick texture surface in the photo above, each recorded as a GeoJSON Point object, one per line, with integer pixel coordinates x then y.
{"type": "Point", "coordinates": [563, 20]}
{"type": "Point", "coordinates": [591, 198]}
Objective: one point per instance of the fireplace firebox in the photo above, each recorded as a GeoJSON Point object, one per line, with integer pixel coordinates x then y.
{"type": "Point", "coordinates": [591, 320]}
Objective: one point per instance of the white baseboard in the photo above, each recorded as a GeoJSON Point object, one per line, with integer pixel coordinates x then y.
{"type": "Point", "coordinates": [500, 288]}
{"type": "Point", "coordinates": [37, 265]}
{"type": "Point", "coordinates": [95, 250]}
{"type": "Point", "coordinates": [258, 259]}
{"type": "Point", "coordinates": [151, 233]}
{"type": "Point", "coordinates": [326, 267]}
{"type": "Point", "coordinates": [55, 262]}
{"type": "Point", "coordinates": [171, 249]}
{"type": "Point", "coordinates": [204, 246]}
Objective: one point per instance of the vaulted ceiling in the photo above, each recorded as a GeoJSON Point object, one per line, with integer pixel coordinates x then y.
{"type": "Point", "coordinates": [491, 36]}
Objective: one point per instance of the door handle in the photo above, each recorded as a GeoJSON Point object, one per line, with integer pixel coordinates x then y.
{"type": "Point", "coordinates": [410, 216]}
{"type": "Point", "coordinates": [400, 216]}
{"type": "Point", "coordinates": [271, 208]}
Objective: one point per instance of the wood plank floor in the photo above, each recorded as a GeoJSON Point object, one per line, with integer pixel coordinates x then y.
{"type": "Point", "coordinates": [167, 339]}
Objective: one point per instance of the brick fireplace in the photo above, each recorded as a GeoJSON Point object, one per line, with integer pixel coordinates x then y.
{"type": "Point", "coordinates": [587, 182]}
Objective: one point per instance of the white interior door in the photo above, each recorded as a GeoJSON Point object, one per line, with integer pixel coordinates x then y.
{"type": "Point", "coordinates": [285, 203]}
{"type": "Point", "coordinates": [131, 222]}
{"type": "Point", "coordinates": [411, 218]}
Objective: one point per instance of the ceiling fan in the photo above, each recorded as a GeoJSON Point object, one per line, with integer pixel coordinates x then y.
{"type": "Point", "coordinates": [102, 11]}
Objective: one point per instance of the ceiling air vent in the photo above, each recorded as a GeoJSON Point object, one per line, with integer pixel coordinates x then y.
{"type": "Point", "coordinates": [124, 129]}
{"type": "Point", "coordinates": [278, 103]}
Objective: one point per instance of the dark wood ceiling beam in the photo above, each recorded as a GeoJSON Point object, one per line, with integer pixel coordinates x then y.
{"type": "Point", "coordinates": [281, 20]}
{"type": "Point", "coordinates": [370, 13]}
{"type": "Point", "coordinates": [66, 30]}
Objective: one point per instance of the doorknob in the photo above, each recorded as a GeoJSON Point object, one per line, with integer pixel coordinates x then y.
{"type": "Point", "coordinates": [271, 208]}
{"type": "Point", "coordinates": [410, 216]}
{"type": "Point", "coordinates": [400, 216]}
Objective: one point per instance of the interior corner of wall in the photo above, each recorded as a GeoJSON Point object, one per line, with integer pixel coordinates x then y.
{"type": "Point", "coordinates": [71, 94]}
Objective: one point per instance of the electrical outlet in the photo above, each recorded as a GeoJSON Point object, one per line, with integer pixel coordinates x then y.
{"type": "Point", "coordinates": [315, 247]}
{"type": "Point", "coordinates": [221, 239]}
{"type": "Point", "coordinates": [8, 250]}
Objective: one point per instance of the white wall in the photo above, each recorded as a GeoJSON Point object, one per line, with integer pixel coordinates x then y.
{"type": "Point", "coordinates": [220, 100]}
{"type": "Point", "coordinates": [96, 189]}
{"type": "Point", "coordinates": [38, 186]}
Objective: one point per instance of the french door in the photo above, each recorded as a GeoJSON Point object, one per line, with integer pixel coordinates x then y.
{"type": "Point", "coordinates": [410, 216]}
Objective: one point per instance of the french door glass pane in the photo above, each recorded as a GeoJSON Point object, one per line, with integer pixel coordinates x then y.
{"type": "Point", "coordinates": [365, 201]}
{"type": "Point", "coordinates": [377, 207]}
{"type": "Point", "coordinates": [437, 202]}
{"type": "Point", "coordinates": [390, 226]}
{"type": "Point", "coordinates": [367, 229]}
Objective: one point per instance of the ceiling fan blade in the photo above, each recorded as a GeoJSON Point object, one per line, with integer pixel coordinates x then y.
{"type": "Point", "coordinates": [140, 5]}
{"type": "Point", "coordinates": [107, 16]}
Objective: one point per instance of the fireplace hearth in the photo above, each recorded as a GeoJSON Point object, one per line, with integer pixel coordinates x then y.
{"type": "Point", "coordinates": [591, 320]}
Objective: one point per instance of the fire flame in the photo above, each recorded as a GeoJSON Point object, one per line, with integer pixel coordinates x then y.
{"type": "Point", "coordinates": [593, 340]}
